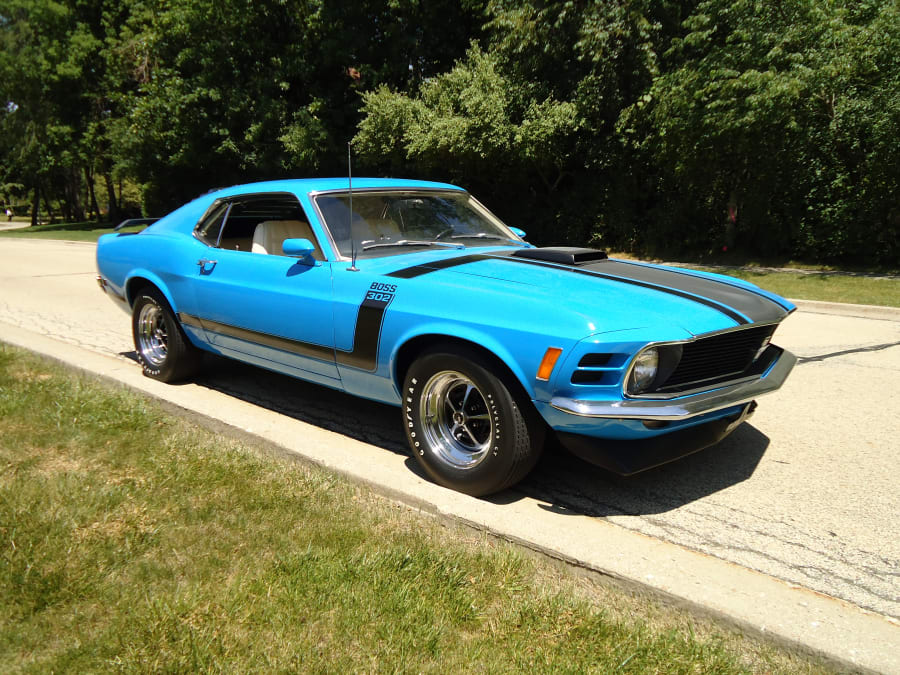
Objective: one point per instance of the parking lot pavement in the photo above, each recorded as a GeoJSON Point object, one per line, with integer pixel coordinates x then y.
{"type": "Point", "coordinates": [806, 492]}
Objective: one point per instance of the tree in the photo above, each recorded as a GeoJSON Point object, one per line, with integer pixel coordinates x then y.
{"type": "Point", "coordinates": [529, 120]}
{"type": "Point", "coordinates": [472, 125]}
{"type": "Point", "coordinates": [227, 91]}
{"type": "Point", "coordinates": [54, 79]}
{"type": "Point", "coordinates": [782, 118]}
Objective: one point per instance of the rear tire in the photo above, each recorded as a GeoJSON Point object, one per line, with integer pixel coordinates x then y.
{"type": "Point", "coordinates": [464, 425]}
{"type": "Point", "coordinates": [163, 350]}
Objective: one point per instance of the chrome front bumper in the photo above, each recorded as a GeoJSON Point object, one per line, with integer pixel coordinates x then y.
{"type": "Point", "coordinates": [686, 407]}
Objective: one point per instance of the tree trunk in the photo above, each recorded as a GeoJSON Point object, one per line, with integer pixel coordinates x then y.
{"type": "Point", "coordinates": [65, 204]}
{"type": "Point", "coordinates": [114, 215]}
{"type": "Point", "coordinates": [95, 208]}
{"type": "Point", "coordinates": [51, 217]}
{"type": "Point", "coordinates": [731, 220]}
{"type": "Point", "coordinates": [76, 206]}
{"type": "Point", "coordinates": [35, 204]}
{"type": "Point", "coordinates": [86, 198]}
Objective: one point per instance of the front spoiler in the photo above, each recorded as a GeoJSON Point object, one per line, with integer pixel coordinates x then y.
{"type": "Point", "coordinates": [633, 456]}
{"type": "Point", "coordinates": [688, 406]}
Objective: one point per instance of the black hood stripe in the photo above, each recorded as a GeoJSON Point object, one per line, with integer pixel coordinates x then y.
{"type": "Point", "coordinates": [752, 304]}
{"type": "Point", "coordinates": [741, 305]}
{"type": "Point", "coordinates": [428, 268]}
{"type": "Point", "coordinates": [738, 318]}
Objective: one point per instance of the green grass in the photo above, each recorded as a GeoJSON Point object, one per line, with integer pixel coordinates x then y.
{"type": "Point", "coordinates": [87, 231]}
{"type": "Point", "coordinates": [823, 286]}
{"type": "Point", "coordinates": [132, 540]}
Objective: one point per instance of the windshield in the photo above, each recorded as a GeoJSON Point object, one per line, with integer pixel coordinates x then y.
{"type": "Point", "coordinates": [387, 222]}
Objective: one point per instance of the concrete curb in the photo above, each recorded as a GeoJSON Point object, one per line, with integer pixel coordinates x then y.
{"type": "Point", "coordinates": [833, 630]}
{"type": "Point", "coordinates": [848, 309]}
{"type": "Point", "coordinates": [725, 269]}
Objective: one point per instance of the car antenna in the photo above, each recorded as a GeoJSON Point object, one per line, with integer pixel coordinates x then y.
{"type": "Point", "coordinates": [353, 267]}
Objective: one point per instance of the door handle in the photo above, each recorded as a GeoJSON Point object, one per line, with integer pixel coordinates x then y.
{"type": "Point", "coordinates": [203, 262]}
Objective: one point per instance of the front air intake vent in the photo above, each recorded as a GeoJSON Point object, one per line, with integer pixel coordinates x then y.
{"type": "Point", "coordinates": [595, 360]}
{"type": "Point", "coordinates": [599, 369]}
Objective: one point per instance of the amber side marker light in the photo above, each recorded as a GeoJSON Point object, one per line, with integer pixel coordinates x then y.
{"type": "Point", "coordinates": [547, 363]}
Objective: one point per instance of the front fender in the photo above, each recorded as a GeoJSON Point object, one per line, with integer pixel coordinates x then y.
{"type": "Point", "coordinates": [456, 332]}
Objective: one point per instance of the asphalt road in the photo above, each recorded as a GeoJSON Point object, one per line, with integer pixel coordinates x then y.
{"type": "Point", "coordinates": [807, 491]}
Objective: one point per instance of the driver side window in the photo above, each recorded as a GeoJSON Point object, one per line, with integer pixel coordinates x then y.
{"type": "Point", "coordinates": [258, 224]}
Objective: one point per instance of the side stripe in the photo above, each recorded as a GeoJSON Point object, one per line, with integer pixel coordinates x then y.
{"type": "Point", "coordinates": [366, 337]}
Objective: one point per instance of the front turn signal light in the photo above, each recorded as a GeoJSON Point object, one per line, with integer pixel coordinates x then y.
{"type": "Point", "coordinates": [548, 362]}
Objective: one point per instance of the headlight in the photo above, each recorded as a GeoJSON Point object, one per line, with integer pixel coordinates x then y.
{"type": "Point", "coordinates": [644, 370]}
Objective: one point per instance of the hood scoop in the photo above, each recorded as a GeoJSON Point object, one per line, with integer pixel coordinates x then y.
{"type": "Point", "coordinates": [562, 255]}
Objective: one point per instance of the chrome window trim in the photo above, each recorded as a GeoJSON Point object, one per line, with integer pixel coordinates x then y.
{"type": "Point", "coordinates": [224, 222]}
{"type": "Point", "coordinates": [703, 336]}
{"type": "Point", "coordinates": [206, 214]}
{"type": "Point", "coordinates": [231, 199]}
{"type": "Point", "coordinates": [331, 242]}
{"type": "Point", "coordinates": [481, 208]}
{"type": "Point", "coordinates": [722, 397]}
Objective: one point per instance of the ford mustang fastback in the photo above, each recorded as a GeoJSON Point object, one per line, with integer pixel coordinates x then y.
{"type": "Point", "coordinates": [414, 294]}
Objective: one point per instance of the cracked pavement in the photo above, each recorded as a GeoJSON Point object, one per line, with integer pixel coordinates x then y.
{"type": "Point", "coordinates": [806, 491]}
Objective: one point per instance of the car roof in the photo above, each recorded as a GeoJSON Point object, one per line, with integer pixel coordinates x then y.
{"type": "Point", "coordinates": [306, 185]}
{"type": "Point", "coordinates": [301, 187]}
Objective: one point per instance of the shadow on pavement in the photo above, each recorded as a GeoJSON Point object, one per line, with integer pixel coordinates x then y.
{"type": "Point", "coordinates": [565, 484]}
{"type": "Point", "coordinates": [570, 485]}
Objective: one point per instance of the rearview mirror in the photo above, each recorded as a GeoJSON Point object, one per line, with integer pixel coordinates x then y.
{"type": "Point", "coordinates": [297, 248]}
{"type": "Point", "coordinates": [519, 233]}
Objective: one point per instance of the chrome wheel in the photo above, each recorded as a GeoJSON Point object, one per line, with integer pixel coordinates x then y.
{"type": "Point", "coordinates": [152, 335]}
{"type": "Point", "coordinates": [456, 420]}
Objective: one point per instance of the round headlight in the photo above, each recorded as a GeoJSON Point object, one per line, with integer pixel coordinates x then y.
{"type": "Point", "coordinates": [644, 370]}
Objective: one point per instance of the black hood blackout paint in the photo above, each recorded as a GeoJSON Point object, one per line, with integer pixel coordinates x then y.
{"type": "Point", "coordinates": [741, 305]}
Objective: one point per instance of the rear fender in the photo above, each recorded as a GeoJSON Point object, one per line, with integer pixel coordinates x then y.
{"type": "Point", "coordinates": [142, 277]}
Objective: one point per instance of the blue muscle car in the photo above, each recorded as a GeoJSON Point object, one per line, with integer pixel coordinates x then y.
{"type": "Point", "coordinates": [413, 294]}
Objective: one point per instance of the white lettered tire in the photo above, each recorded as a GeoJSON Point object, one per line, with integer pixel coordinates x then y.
{"type": "Point", "coordinates": [464, 424]}
{"type": "Point", "coordinates": [162, 348]}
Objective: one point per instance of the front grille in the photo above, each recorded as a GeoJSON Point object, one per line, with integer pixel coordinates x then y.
{"type": "Point", "coordinates": [719, 357]}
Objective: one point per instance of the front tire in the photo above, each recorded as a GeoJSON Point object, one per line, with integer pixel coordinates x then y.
{"type": "Point", "coordinates": [163, 350]}
{"type": "Point", "coordinates": [464, 425]}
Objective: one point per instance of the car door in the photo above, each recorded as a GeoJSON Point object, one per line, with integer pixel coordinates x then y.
{"type": "Point", "coordinates": [262, 306]}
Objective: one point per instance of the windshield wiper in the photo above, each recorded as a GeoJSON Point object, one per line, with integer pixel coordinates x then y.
{"type": "Point", "coordinates": [410, 242]}
{"type": "Point", "coordinates": [484, 235]}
